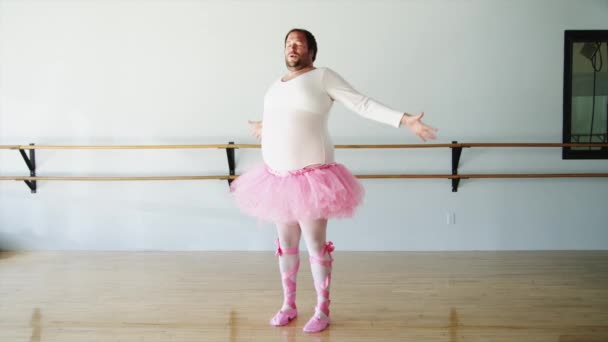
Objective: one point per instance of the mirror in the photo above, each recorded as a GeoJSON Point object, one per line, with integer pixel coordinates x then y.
{"type": "Point", "coordinates": [585, 93]}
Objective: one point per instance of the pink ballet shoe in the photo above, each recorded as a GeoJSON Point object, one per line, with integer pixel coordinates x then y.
{"type": "Point", "coordinates": [283, 317]}
{"type": "Point", "coordinates": [316, 323]}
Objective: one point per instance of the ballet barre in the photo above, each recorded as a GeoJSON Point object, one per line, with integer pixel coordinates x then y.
{"type": "Point", "coordinates": [455, 177]}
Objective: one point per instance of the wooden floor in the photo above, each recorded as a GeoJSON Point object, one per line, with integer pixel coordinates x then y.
{"type": "Point", "coordinates": [213, 296]}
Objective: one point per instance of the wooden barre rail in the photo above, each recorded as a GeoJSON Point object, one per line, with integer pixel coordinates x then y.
{"type": "Point", "coordinates": [371, 176]}
{"type": "Point", "coordinates": [31, 181]}
{"type": "Point", "coordinates": [237, 146]}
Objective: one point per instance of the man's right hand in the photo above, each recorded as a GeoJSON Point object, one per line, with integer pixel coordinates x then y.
{"type": "Point", "coordinates": [256, 129]}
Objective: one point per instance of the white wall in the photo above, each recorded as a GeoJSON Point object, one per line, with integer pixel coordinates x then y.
{"type": "Point", "coordinates": [172, 72]}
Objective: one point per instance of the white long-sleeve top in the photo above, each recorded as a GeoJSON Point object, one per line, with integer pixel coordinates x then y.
{"type": "Point", "coordinates": [295, 134]}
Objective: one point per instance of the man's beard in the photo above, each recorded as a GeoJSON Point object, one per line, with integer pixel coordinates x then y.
{"type": "Point", "coordinates": [297, 64]}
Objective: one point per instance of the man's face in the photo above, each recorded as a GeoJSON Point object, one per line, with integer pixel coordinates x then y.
{"type": "Point", "coordinates": [297, 55]}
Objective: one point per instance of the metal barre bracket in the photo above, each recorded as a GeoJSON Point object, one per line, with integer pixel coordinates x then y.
{"type": "Point", "coordinates": [456, 152]}
{"type": "Point", "coordinates": [230, 156]}
{"type": "Point", "coordinates": [31, 164]}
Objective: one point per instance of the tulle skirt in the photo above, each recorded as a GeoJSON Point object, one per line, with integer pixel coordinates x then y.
{"type": "Point", "coordinates": [324, 191]}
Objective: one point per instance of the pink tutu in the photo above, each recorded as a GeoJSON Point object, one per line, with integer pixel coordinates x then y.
{"type": "Point", "coordinates": [324, 191]}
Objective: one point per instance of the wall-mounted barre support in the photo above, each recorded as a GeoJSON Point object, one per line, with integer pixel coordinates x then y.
{"type": "Point", "coordinates": [31, 164]}
{"type": "Point", "coordinates": [456, 152]}
{"type": "Point", "coordinates": [231, 163]}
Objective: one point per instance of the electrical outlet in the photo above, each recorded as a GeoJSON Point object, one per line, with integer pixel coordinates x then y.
{"type": "Point", "coordinates": [450, 218]}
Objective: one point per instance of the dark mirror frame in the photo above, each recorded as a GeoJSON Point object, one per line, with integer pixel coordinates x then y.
{"type": "Point", "coordinates": [570, 38]}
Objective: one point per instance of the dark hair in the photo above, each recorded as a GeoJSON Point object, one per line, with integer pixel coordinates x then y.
{"type": "Point", "coordinates": [310, 40]}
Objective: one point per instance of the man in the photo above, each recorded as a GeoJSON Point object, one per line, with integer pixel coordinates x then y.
{"type": "Point", "coordinates": [300, 186]}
